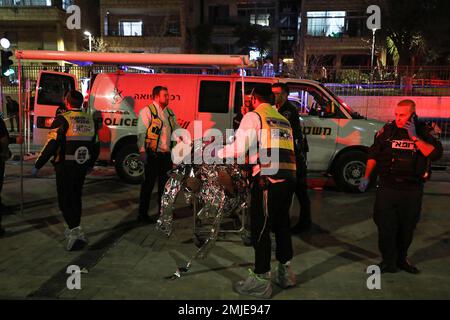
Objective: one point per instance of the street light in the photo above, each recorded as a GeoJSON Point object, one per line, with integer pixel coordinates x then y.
{"type": "Point", "coordinates": [5, 43]}
{"type": "Point", "coordinates": [87, 33]}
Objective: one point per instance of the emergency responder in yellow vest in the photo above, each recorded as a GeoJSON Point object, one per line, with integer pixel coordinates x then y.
{"type": "Point", "coordinates": [156, 124]}
{"type": "Point", "coordinates": [72, 142]}
{"type": "Point", "coordinates": [273, 180]}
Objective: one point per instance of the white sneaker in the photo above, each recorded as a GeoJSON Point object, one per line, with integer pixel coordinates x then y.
{"type": "Point", "coordinates": [76, 239]}
{"type": "Point", "coordinates": [285, 276]}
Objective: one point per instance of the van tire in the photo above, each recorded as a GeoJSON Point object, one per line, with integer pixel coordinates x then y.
{"type": "Point", "coordinates": [128, 165]}
{"type": "Point", "coordinates": [349, 169]}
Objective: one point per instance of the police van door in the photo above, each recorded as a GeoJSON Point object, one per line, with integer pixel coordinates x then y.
{"type": "Point", "coordinates": [213, 107]}
{"type": "Point", "coordinates": [50, 90]}
{"type": "Point", "coordinates": [320, 122]}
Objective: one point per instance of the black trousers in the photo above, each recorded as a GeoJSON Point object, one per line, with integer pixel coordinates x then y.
{"type": "Point", "coordinates": [14, 117]}
{"type": "Point", "coordinates": [156, 169]}
{"type": "Point", "coordinates": [2, 177]}
{"type": "Point", "coordinates": [70, 179]}
{"type": "Point", "coordinates": [279, 201]}
{"type": "Point", "coordinates": [301, 191]}
{"type": "Point", "coordinates": [396, 215]}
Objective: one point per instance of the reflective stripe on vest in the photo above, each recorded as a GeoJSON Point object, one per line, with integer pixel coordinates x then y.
{"type": "Point", "coordinates": [79, 136]}
{"type": "Point", "coordinates": [276, 137]}
{"type": "Point", "coordinates": [81, 126]}
{"type": "Point", "coordinates": [155, 128]}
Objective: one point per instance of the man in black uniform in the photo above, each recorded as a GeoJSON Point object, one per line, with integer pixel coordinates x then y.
{"type": "Point", "coordinates": [401, 152]}
{"type": "Point", "coordinates": [72, 142]}
{"type": "Point", "coordinates": [12, 107]}
{"type": "Point", "coordinates": [4, 155]}
{"type": "Point", "coordinates": [290, 112]}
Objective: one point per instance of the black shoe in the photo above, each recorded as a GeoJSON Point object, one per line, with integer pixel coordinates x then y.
{"type": "Point", "coordinates": [6, 210]}
{"type": "Point", "coordinates": [408, 267]}
{"type": "Point", "coordinates": [147, 219]}
{"type": "Point", "coordinates": [387, 268]}
{"type": "Point", "coordinates": [2, 232]}
{"type": "Point", "coordinates": [300, 228]}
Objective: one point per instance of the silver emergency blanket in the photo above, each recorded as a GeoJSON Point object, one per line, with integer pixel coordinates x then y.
{"type": "Point", "coordinates": [219, 189]}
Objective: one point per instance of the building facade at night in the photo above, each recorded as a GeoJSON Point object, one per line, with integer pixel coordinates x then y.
{"type": "Point", "coordinates": [335, 32]}
{"type": "Point", "coordinates": [154, 26]}
{"type": "Point", "coordinates": [42, 24]}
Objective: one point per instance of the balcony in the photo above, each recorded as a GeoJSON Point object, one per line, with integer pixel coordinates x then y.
{"type": "Point", "coordinates": [19, 14]}
{"type": "Point", "coordinates": [343, 44]}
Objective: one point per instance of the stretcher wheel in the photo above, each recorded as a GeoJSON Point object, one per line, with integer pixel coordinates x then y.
{"type": "Point", "coordinates": [246, 239]}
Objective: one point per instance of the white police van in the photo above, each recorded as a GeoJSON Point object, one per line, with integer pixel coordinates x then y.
{"type": "Point", "coordinates": [338, 137]}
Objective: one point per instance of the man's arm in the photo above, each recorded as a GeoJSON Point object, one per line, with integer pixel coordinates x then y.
{"type": "Point", "coordinates": [143, 124]}
{"type": "Point", "coordinates": [96, 143]}
{"type": "Point", "coordinates": [246, 136]}
{"type": "Point", "coordinates": [370, 166]}
{"type": "Point", "coordinates": [177, 135]}
{"type": "Point", "coordinates": [49, 150]}
{"type": "Point", "coordinates": [430, 146]}
{"type": "Point", "coordinates": [4, 141]}
{"type": "Point", "coordinates": [58, 127]}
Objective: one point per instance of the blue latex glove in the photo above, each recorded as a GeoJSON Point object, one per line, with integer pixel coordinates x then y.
{"type": "Point", "coordinates": [34, 172]}
{"type": "Point", "coordinates": [143, 157]}
{"type": "Point", "coordinates": [411, 128]}
{"type": "Point", "coordinates": [363, 184]}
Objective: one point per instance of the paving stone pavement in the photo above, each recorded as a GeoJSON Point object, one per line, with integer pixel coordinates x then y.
{"type": "Point", "coordinates": [126, 260]}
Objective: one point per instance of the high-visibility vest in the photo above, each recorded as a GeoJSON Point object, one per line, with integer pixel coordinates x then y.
{"type": "Point", "coordinates": [155, 128]}
{"type": "Point", "coordinates": [79, 136]}
{"type": "Point", "coordinates": [276, 136]}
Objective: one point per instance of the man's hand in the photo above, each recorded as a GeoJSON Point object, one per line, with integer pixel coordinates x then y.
{"type": "Point", "coordinates": [143, 157]}
{"type": "Point", "coordinates": [19, 140]}
{"type": "Point", "coordinates": [411, 128]}
{"type": "Point", "coordinates": [363, 184]}
{"type": "Point", "coordinates": [34, 172]}
{"type": "Point", "coordinates": [244, 110]}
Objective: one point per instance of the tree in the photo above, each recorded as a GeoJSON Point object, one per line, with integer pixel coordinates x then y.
{"type": "Point", "coordinates": [414, 27]}
{"type": "Point", "coordinates": [253, 37]}
{"type": "Point", "coordinates": [199, 39]}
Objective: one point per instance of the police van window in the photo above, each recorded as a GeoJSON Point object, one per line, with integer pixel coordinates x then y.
{"type": "Point", "coordinates": [52, 88]}
{"type": "Point", "coordinates": [248, 87]}
{"type": "Point", "coordinates": [311, 101]}
{"type": "Point", "coordinates": [214, 96]}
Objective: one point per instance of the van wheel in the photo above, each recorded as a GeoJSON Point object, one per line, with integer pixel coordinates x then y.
{"type": "Point", "coordinates": [128, 165]}
{"type": "Point", "coordinates": [349, 170]}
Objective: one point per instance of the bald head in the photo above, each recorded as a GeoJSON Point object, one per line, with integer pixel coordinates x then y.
{"type": "Point", "coordinates": [408, 103]}
{"type": "Point", "coordinates": [403, 112]}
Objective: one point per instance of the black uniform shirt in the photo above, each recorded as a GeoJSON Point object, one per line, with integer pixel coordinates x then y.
{"type": "Point", "coordinates": [381, 151]}
{"type": "Point", "coordinates": [290, 112]}
{"type": "Point", "coordinates": [3, 132]}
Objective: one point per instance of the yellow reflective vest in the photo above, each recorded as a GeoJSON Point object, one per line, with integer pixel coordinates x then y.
{"type": "Point", "coordinates": [276, 137]}
{"type": "Point", "coordinates": [79, 136]}
{"type": "Point", "coordinates": [154, 129]}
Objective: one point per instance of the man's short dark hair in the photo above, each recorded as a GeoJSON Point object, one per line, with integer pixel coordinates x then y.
{"type": "Point", "coordinates": [263, 93]}
{"type": "Point", "coordinates": [284, 87]}
{"type": "Point", "coordinates": [157, 90]}
{"type": "Point", "coordinates": [74, 98]}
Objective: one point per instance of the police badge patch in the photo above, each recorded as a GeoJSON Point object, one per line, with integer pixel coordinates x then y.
{"type": "Point", "coordinates": [287, 114]}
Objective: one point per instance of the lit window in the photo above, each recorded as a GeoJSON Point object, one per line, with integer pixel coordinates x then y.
{"type": "Point", "coordinates": [326, 23]}
{"type": "Point", "coordinates": [131, 28]}
{"type": "Point", "coordinates": [261, 19]}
